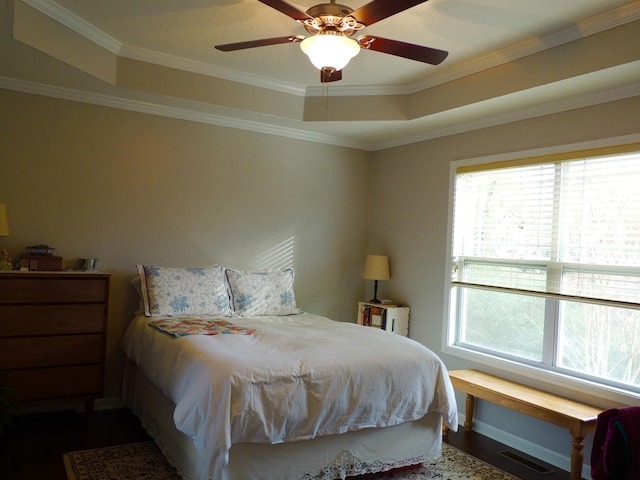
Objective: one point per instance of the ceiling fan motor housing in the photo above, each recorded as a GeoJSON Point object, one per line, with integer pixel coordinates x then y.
{"type": "Point", "coordinates": [333, 9]}
{"type": "Point", "coordinates": [331, 17]}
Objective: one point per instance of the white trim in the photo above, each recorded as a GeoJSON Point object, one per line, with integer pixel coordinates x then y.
{"type": "Point", "coordinates": [450, 122]}
{"type": "Point", "coordinates": [598, 23]}
{"type": "Point", "coordinates": [360, 90]}
{"type": "Point", "coordinates": [210, 70]}
{"type": "Point", "coordinates": [535, 450]}
{"type": "Point", "coordinates": [590, 26]}
{"type": "Point", "coordinates": [174, 112]}
{"type": "Point", "coordinates": [76, 23]}
{"type": "Point", "coordinates": [515, 114]}
{"type": "Point", "coordinates": [97, 36]}
{"type": "Point", "coordinates": [561, 384]}
{"type": "Point", "coordinates": [156, 108]}
{"type": "Point", "coordinates": [603, 21]}
{"type": "Point", "coordinates": [556, 149]}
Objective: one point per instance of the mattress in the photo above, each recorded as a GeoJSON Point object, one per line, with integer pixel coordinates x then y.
{"type": "Point", "coordinates": [323, 458]}
{"type": "Point", "coordinates": [292, 378]}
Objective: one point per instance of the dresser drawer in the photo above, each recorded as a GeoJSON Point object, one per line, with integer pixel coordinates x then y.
{"type": "Point", "coordinates": [53, 328]}
{"type": "Point", "coordinates": [17, 320]}
{"type": "Point", "coordinates": [60, 350]}
{"type": "Point", "coordinates": [61, 289]}
{"type": "Point", "coordinates": [57, 382]}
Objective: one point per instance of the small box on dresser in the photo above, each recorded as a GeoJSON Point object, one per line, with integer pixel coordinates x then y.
{"type": "Point", "coordinates": [389, 317]}
{"type": "Point", "coordinates": [53, 335]}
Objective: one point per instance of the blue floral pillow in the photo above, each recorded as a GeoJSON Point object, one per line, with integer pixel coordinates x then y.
{"type": "Point", "coordinates": [184, 291]}
{"type": "Point", "coordinates": [262, 293]}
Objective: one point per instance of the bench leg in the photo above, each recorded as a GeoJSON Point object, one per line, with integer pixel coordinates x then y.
{"type": "Point", "coordinates": [468, 420]}
{"type": "Point", "coordinates": [577, 444]}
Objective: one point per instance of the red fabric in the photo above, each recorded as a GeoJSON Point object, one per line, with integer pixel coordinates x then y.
{"type": "Point", "coordinates": [616, 445]}
{"type": "Point", "coordinates": [402, 469]}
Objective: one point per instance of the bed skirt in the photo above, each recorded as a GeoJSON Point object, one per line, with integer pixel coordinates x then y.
{"type": "Point", "coordinates": [322, 458]}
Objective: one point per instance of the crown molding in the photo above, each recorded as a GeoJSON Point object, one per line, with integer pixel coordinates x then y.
{"type": "Point", "coordinates": [590, 26]}
{"type": "Point", "coordinates": [75, 23]}
{"type": "Point", "coordinates": [97, 36]}
{"type": "Point", "coordinates": [224, 120]}
{"type": "Point", "coordinates": [598, 23]}
{"type": "Point", "coordinates": [548, 107]}
{"type": "Point", "coordinates": [154, 108]}
{"type": "Point", "coordinates": [150, 56]}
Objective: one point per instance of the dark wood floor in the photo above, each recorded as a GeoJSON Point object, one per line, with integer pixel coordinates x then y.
{"type": "Point", "coordinates": [32, 449]}
{"type": "Point", "coordinates": [502, 457]}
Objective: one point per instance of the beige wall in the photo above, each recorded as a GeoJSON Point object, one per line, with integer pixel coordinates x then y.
{"type": "Point", "coordinates": [415, 180]}
{"type": "Point", "coordinates": [134, 188]}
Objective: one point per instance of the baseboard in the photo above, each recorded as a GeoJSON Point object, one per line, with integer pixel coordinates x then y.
{"type": "Point", "coordinates": [533, 449]}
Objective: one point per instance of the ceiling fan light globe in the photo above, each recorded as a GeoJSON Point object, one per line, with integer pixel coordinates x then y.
{"type": "Point", "coordinates": [330, 50]}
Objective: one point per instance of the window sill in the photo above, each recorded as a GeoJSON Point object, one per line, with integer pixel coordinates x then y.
{"type": "Point", "coordinates": [603, 396]}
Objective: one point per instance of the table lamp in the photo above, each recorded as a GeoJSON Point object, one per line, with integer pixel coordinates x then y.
{"type": "Point", "coordinates": [376, 268]}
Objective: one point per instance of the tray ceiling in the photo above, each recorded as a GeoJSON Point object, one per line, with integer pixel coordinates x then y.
{"type": "Point", "coordinates": [507, 60]}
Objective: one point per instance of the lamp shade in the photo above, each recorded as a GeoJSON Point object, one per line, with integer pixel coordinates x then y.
{"type": "Point", "coordinates": [377, 268]}
{"type": "Point", "coordinates": [4, 223]}
{"type": "Point", "coordinates": [330, 50]}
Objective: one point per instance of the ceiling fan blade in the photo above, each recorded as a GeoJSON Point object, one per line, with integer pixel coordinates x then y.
{"type": "Point", "coordinates": [287, 9]}
{"type": "Point", "coordinates": [403, 49]}
{"type": "Point", "coordinates": [230, 47]}
{"type": "Point", "coordinates": [330, 75]}
{"type": "Point", "coordinates": [377, 10]}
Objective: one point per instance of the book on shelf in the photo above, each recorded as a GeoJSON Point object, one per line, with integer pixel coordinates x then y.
{"type": "Point", "coordinates": [371, 316]}
{"type": "Point", "coordinates": [364, 318]}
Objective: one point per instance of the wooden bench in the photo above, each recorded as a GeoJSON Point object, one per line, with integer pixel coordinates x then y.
{"type": "Point", "coordinates": [578, 418]}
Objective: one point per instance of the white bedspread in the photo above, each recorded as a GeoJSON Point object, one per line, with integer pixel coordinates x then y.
{"type": "Point", "coordinates": [297, 377]}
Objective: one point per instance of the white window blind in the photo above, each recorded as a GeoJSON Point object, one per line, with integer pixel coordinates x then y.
{"type": "Point", "coordinates": [565, 226]}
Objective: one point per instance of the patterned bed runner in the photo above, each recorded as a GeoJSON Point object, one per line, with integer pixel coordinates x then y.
{"type": "Point", "coordinates": [181, 326]}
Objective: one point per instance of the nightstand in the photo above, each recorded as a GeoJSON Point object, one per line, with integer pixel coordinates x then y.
{"type": "Point", "coordinates": [389, 317]}
{"type": "Point", "coordinates": [53, 334]}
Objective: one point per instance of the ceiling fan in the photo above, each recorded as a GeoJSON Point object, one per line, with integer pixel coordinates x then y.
{"type": "Point", "coordinates": [331, 25]}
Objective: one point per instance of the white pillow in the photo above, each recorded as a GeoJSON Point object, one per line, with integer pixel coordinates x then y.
{"type": "Point", "coordinates": [184, 291]}
{"type": "Point", "coordinates": [262, 293]}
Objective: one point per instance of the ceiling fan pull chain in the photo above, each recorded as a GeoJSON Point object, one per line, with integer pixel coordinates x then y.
{"type": "Point", "coordinates": [325, 96]}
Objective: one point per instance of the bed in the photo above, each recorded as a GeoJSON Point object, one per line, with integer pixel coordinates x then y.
{"type": "Point", "coordinates": [254, 388]}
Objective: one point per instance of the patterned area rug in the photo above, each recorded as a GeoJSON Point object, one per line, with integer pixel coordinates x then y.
{"type": "Point", "coordinates": [143, 461]}
{"type": "Point", "coordinates": [135, 461]}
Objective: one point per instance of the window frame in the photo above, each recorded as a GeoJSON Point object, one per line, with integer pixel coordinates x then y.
{"type": "Point", "coordinates": [558, 379]}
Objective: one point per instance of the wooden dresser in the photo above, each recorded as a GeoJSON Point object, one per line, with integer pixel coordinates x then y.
{"type": "Point", "coordinates": [53, 334]}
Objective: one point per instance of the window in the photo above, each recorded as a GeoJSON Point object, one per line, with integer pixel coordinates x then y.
{"type": "Point", "coordinates": [546, 264]}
